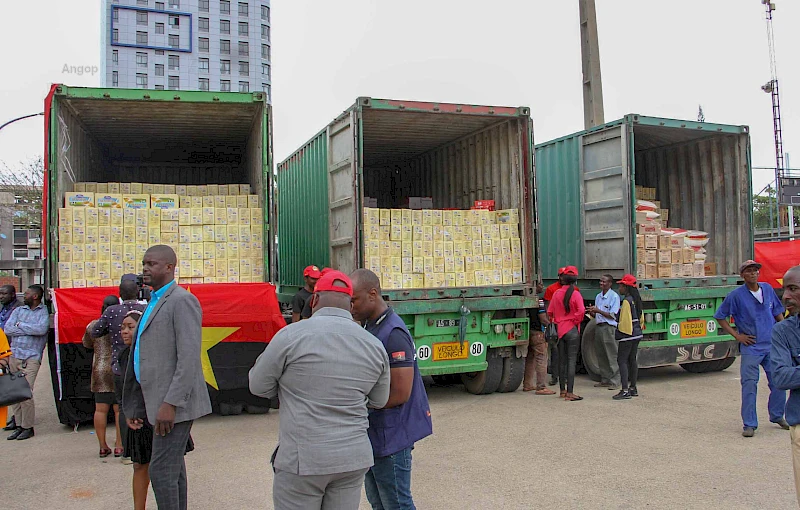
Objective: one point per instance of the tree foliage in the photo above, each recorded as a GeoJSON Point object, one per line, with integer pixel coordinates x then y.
{"type": "Point", "coordinates": [24, 182]}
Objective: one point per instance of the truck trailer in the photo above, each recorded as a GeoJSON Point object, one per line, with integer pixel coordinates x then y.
{"type": "Point", "coordinates": [387, 157]}
{"type": "Point", "coordinates": [700, 174]}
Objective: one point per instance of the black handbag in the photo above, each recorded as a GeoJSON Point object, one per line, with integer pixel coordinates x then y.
{"type": "Point", "coordinates": [551, 333]}
{"type": "Point", "coordinates": [14, 388]}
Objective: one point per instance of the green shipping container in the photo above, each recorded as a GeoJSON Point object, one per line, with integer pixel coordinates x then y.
{"type": "Point", "coordinates": [702, 175]}
{"type": "Point", "coordinates": [156, 136]}
{"type": "Point", "coordinates": [390, 150]}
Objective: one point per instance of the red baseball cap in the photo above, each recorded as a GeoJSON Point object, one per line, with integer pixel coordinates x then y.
{"type": "Point", "coordinates": [327, 283]}
{"type": "Point", "coordinates": [326, 270]}
{"type": "Point", "coordinates": [561, 270]}
{"type": "Point", "coordinates": [571, 270]}
{"type": "Point", "coordinates": [628, 280]}
{"type": "Point", "coordinates": [312, 272]}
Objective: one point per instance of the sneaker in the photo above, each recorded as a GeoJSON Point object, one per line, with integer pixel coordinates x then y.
{"type": "Point", "coordinates": [782, 423]}
{"type": "Point", "coordinates": [748, 432]}
{"type": "Point", "coordinates": [622, 395]}
{"type": "Point", "coordinates": [633, 391]}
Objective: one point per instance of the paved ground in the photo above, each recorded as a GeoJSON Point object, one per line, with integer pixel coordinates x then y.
{"type": "Point", "coordinates": [677, 446]}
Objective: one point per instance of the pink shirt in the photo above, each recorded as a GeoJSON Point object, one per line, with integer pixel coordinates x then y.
{"type": "Point", "coordinates": [564, 320]}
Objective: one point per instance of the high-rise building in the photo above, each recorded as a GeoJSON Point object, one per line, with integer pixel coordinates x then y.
{"type": "Point", "coordinates": [187, 45]}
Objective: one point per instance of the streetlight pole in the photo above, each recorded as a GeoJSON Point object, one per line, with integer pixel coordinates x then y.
{"type": "Point", "coordinates": [20, 118]}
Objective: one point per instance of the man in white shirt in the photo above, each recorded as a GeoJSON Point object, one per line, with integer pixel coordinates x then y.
{"type": "Point", "coordinates": [604, 310]}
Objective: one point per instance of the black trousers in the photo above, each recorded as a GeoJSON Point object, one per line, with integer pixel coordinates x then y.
{"type": "Point", "coordinates": [567, 358]}
{"type": "Point", "coordinates": [628, 366]}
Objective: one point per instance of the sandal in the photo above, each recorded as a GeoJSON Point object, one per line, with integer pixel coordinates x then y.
{"type": "Point", "coordinates": [545, 391]}
{"type": "Point", "coordinates": [118, 452]}
{"type": "Point", "coordinates": [563, 394]}
{"type": "Point", "coordinates": [571, 397]}
{"type": "Point", "coordinates": [105, 452]}
{"type": "Point", "coordinates": [528, 389]}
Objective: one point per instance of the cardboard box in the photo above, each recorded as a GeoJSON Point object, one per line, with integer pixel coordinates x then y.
{"type": "Point", "coordinates": [153, 235]}
{"type": "Point", "coordinates": [170, 215]}
{"type": "Point", "coordinates": [649, 227]}
{"type": "Point", "coordinates": [242, 202]}
{"type": "Point", "coordinates": [116, 217]}
{"type": "Point", "coordinates": [651, 271]}
{"type": "Point", "coordinates": [196, 216]}
{"type": "Point", "coordinates": [709, 268]}
{"type": "Point", "coordinates": [104, 269]}
{"type": "Point", "coordinates": [116, 234]}
{"type": "Point", "coordinates": [209, 201]}
{"type": "Point", "coordinates": [232, 215]}
{"type": "Point", "coordinates": [665, 270]}
{"type": "Point", "coordinates": [665, 256]}
{"type": "Point", "coordinates": [136, 201]}
{"type": "Point", "coordinates": [91, 217]}
{"type": "Point", "coordinates": [209, 250]}
{"type": "Point", "coordinates": [220, 216]}
{"type": "Point", "coordinates": [196, 234]}
{"type": "Point", "coordinates": [233, 268]}
{"type": "Point", "coordinates": [221, 250]}
{"type": "Point", "coordinates": [641, 256]}
{"type": "Point", "coordinates": [233, 250]}
{"type": "Point", "coordinates": [78, 199]}
{"type": "Point", "coordinates": [221, 233]}
{"type": "Point", "coordinates": [79, 217]}
{"type": "Point", "coordinates": [164, 201]}
{"type": "Point", "coordinates": [245, 250]}
{"type": "Point", "coordinates": [244, 216]}
{"type": "Point", "coordinates": [698, 270]}
{"type": "Point", "coordinates": [221, 268]}
{"type": "Point", "coordinates": [114, 187]}
{"type": "Point", "coordinates": [209, 216]}
{"type": "Point", "coordinates": [79, 284]}
{"type": "Point", "coordinates": [185, 201]}
{"type": "Point", "coordinates": [245, 189]}
{"type": "Point", "coordinates": [208, 234]}
{"type": "Point", "coordinates": [651, 242]}
{"type": "Point", "coordinates": [147, 187]}
{"type": "Point", "coordinates": [196, 251]}
{"type": "Point", "coordinates": [688, 256]}
{"type": "Point", "coordinates": [184, 251]}
{"type": "Point", "coordinates": [202, 190]}
{"type": "Point", "coordinates": [210, 268]}
{"type": "Point", "coordinates": [687, 270]}
{"type": "Point", "coordinates": [665, 242]}
{"type": "Point", "coordinates": [65, 217]}
{"type": "Point", "coordinates": [117, 252]}
{"type": "Point", "coordinates": [77, 270]}
{"type": "Point", "coordinates": [169, 238]}
{"type": "Point", "coordinates": [197, 268]}
{"type": "Point", "coordinates": [677, 270]}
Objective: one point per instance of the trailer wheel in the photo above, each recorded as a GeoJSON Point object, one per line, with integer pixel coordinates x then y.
{"type": "Point", "coordinates": [590, 355]}
{"type": "Point", "coordinates": [702, 367]}
{"type": "Point", "coordinates": [513, 372]}
{"type": "Point", "coordinates": [483, 383]}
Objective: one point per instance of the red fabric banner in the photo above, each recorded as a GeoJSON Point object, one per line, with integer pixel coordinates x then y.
{"type": "Point", "coordinates": [251, 308]}
{"type": "Point", "coordinates": [776, 258]}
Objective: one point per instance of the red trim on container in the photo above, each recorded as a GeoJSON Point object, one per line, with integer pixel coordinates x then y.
{"type": "Point", "coordinates": [48, 104]}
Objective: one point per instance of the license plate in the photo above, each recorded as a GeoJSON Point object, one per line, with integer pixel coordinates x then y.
{"type": "Point", "coordinates": [450, 350]}
{"type": "Point", "coordinates": [695, 306]}
{"type": "Point", "coordinates": [693, 329]}
{"type": "Point", "coordinates": [446, 323]}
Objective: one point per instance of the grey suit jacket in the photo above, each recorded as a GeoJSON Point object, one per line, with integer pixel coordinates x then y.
{"type": "Point", "coordinates": [169, 360]}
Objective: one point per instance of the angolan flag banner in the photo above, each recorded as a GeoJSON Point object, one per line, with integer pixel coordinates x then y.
{"type": "Point", "coordinates": [776, 258]}
{"type": "Point", "coordinates": [238, 321]}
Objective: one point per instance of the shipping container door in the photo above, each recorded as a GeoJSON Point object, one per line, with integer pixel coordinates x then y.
{"type": "Point", "coordinates": [342, 192]}
{"type": "Point", "coordinates": [606, 203]}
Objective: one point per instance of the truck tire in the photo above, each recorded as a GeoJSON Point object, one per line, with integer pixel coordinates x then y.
{"type": "Point", "coordinates": [483, 383]}
{"type": "Point", "coordinates": [513, 372]}
{"type": "Point", "coordinates": [590, 355]}
{"type": "Point", "coordinates": [702, 367]}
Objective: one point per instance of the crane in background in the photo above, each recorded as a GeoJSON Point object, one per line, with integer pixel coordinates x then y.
{"type": "Point", "coordinates": [590, 52]}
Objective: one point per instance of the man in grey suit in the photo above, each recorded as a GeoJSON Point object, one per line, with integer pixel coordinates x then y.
{"type": "Point", "coordinates": [326, 370]}
{"type": "Point", "coordinates": [165, 364]}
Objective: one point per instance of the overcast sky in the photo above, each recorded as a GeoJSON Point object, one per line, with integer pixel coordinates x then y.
{"type": "Point", "coordinates": [659, 58]}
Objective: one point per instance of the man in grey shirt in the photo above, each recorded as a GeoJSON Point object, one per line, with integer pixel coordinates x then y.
{"type": "Point", "coordinates": [326, 371]}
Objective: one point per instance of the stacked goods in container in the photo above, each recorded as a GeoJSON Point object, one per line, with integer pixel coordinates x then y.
{"type": "Point", "coordinates": [105, 228]}
{"type": "Point", "coordinates": [428, 248]}
{"type": "Point", "coordinates": [663, 251]}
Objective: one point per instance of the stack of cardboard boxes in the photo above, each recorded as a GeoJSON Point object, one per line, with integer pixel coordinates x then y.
{"type": "Point", "coordinates": [660, 252]}
{"type": "Point", "coordinates": [105, 228]}
{"type": "Point", "coordinates": [430, 248]}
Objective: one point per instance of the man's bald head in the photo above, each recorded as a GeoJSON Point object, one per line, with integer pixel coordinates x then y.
{"type": "Point", "coordinates": [367, 300]}
{"type": "Point", "coordinates": [158, 266]}
{"type": "Point", "coordinates": [791, 290]}
{"type": "Point", "coordinates": [366, 280]}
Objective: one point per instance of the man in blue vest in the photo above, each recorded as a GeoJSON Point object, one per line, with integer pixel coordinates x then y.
{"type": "Point", "coordinates": [406, 417]}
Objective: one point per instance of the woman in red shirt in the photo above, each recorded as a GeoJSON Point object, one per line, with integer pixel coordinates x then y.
{"type": "Point", "coordinates": [566, 311]}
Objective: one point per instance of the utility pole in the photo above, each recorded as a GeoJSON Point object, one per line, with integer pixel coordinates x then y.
{"type": "Point", "coordinates": [590, 52]}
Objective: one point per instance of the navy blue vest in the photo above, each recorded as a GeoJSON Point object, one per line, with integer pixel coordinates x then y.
{"type": "Point", "coordinates": [395, 429]}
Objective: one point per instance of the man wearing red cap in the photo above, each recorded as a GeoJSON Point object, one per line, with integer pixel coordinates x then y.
{"type": "Point", "coordinates": [300, 308]}
{"type": "Point", "coordinates": [326, 371]}
{"type": "Point", "coordinates": [755, 308]}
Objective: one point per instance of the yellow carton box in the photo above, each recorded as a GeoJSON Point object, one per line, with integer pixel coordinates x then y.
{"type": "Point", "coordinates": [219, 201]}
{"type": "Point", "coordinates": [210, 268]}
{"type": "Point", "coordinates": [147, 187]}
{"type": "Point", "coordinates": [197, 268]}
{"type": "Point", "coordinates": [78, 235]}
{"type": "Point", "coordinates": [103, 252]}
{"type": "Point", "coordinates": [169, 238]}
{"type": "Point", "coordinates": [79, 217]}
{"type": "Point", "coordinates": [170, 215]}
{"type": "Point", "coordinates": [64, 271]}
{"type": "Point", "coordinates": [221, 250]}
{"type": "Point", "coordinates": [232, 215]}
{"type": "Point", "coordinates": [209, 251]}
{"type": "Point", "coordinates": [233, 268]}
{"type": "Point", "coordinates": [241, 203]}
{"type": "Point", "coordinates": [78, 284]}
{"type": "Point", "coordinates": [91, 234]}
{"type": "Point", "coordinates": [103, 269]}
{"type": "Point", "coordinates": [128, 235]}
{"type": "Point", "coordinates": [136, 201]}
{"type": "Point", "coordinates": [65, 235]}
{"type": "Point", "coordinates": [196, 234]}
{"type": "Point", "coordinates": [230, 201]}
{"type": "Point", "coordinates": [417, 233]}
{"type": "Point", "coordinates": [109, 200]}
{"type": "Point", "coordinates": [184, 268]}
{"type": "Point", "coordinates": [78, 199]}
{"type": "Point", "coordinates": [90, 270]}
{"type": "Point", "coordinates": [184, 251]}
{"type": "Point", "coordinates": [104, 234]}
{"type": "Point", "coordinates": [116, 234]}
{"type": "Point", "coordinates": [252, 203]}
{"type": "Point", "coordinates": [233, 250]}
{"type": "Point", "coordinates": [158, 189]}
{"type": "Point", "coordinates": [77, 270]}
{"type": "Point", "coordinates": [208, 234]}
{"type": "Point", "coordinates": [208, 201]}
{"type": "Point", "coordinates": [220, 216]}
{"type": "Point", "coordinates": [196, 202]}
{"type": "Point", "coordinates": [256, 216]}
{"type": "Point", "coordinates": [416, 218]}
{"type": "Point", "coordinates": [244, 234]}
{"type": "Point", "coordinates": [395, 216]}
{"type": "Point", "coordinates": [184, 234]}
{"type": "Point", "coordinates": [117, 252]}
{"type": "Point", "coordinates": [116, 217]}
{"type": "Point", "coordinates": [197, 250]}
{"type": "Point", "coordinates": [142, 218]}
{"type": "Point", "coordinates": [164, 201]}
{"type": "Point", "coordinates": [223, 189]}
{"type": "Point", "coordinates": [168, 226]}
{"type": "Point", "coordinates": [232, 235]}
{"type": "Point", "coordinates": [185, 201]}
{"type": "Point", "coordinates": [196, 216]}
{"type": "Point", "coordinates": [220, 233]}
{"type": "Point", "coordinates": [221, 267]}
{"type": "Point", "coordinates": [245, 267]}
{"type": "Point", "coordinates": [184, 216]}
{"type": "Point", "coordinates": [245, 189]}
{"type": "Point", "coordinates": [438, 249]}
{"type": "Point", "coordinates": [244, 216]}
{"type": "Point", "coordinates": [209, 216]}
{"type": "Point", "coordinates": [153, 235]}
{"type": "Point", "coordinates": [91, 216]}
{"type": "Point", "coordinates": [117, 270]}
{"type": "Point", "coordinates": [64, 217]}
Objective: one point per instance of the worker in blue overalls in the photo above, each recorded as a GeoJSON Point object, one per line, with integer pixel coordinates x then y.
{"type": "Point", "coordinates": [755, 308]}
